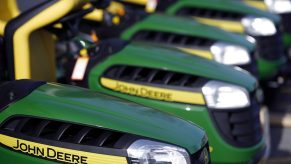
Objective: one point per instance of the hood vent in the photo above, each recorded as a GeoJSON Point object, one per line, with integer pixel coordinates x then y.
{"type": "Point", "coordinates": [171, 38]}
{"type": "Point", "coordinates": [66, 132]}
{"type": "Point", "coordinates": [210, 13]}
{"type": "Point", "coordinates": [152, 76]}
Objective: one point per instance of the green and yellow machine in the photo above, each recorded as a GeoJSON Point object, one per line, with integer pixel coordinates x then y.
{"type": "Point", "coordinates": [50, 123]}
{"type": "Point", "coordinates": [189, 87]}
{"type": "Point", "coordinates": [258, 26]}
{"type": "Point", "coordinates": [44, 122]}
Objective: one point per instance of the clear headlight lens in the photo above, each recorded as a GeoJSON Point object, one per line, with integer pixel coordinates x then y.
{"type": "Point", "coordinates": [279, 6]}
{"type": "Point", "coordinates": [230, 54]}
{"type": "Point", "coordinates": [151, 152]}
{"type": "Point", "coordinates": [259, 26]}
{"type": "Point", "coordinates": [220, 95]}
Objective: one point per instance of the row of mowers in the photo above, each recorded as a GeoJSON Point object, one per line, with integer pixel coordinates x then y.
{"type": "Point", "coordinates": [168, 81]}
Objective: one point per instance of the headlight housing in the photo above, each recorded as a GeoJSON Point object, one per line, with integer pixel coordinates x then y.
{"type": "Point", "coordinates": [230, 54]}
{"type": "Point", "coordinates": [151, 152]}
{"type": "Point", "coordinates": [279, 6]}
{"type": "Point", "coordinates": [220, 95]}
{"type": "Point", "coordinates": [259, 26]}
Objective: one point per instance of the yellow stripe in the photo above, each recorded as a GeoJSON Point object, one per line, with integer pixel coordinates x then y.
{"type": "Point", "coordinates": [154, 92]}
{"type": "Point", "coordinates": [201, 53]}
{"type": "Point", "coordinates": [257, 4]}
{"type": "Point", "coordinates": [57, 153]}
{"type": "Point", "coordinates": [96, 15]}
{"type": "Point", "coordinates": [139, 2]}
{"type": "Point", "coordinates": [233, 26]}
{"type": "Point", "coordinates": [2, 27]}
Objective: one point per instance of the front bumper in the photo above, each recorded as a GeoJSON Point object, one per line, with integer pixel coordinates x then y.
{"type": "Point", "coordinates": [221, 150]}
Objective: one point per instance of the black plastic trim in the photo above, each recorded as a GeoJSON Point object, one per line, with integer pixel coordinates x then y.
{"type": "Point", "coordinates": [163, 5]}
{"type": "Point", "coordinates": [196, 86]}
{"type": "Point", "coordinates": [16, 90]}
{"type": "Point", "coordinates": [3, 69]}
{"type": "Point", "coordinates": [172, 39]}
{"type": "Point", "coordinates": [119, 149]}
{"type": "Point", "coordinates": [209, 13]}
{"type": "Point", "coordinates": [239, 127]}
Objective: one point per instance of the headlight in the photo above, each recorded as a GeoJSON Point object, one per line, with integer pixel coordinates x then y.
{"type": "Point", "coordinates": [220, 95]}
{"type": "Point", "coordinates": [151, 152]}
{"type": "Point", "coordinates": [230, 54]}
{"type": "Point", "coordinates": [279, 6]}
{"type": "Point", "coordinates": [259, 26]}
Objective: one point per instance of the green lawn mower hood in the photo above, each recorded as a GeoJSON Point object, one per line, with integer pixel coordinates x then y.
{"type": "Point", "coordinates": [74, 125]}
{"type": "Point", "coordinates": [179, 84]}
{"type": "Point", "coordinates": [185, 26]}
{"type": "Point", "coordinates": [260, 27]}
{"type": "Point", "coordinates": [185, 34]}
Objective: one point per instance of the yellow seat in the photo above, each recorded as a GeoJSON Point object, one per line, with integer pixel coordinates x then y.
{"type": "Point", "coordinates": [28, 47]}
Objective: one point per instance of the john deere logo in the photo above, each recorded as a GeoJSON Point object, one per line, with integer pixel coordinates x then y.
{"type": "Point", "coordinates": [49, 153]}
{"type": "Point", "coordinates": [59, 154]}
{"type": "Point", "coordinates": [143, 91]}
{"type": "Point", "coordinates": [156, 93]}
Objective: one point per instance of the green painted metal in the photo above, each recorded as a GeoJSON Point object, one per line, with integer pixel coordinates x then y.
{"type": "Point", "coordinates": [226, 5]}
{"type": "Point", "coordinates": [161, 58]}
{"type": "Point", "coordinates": [170, 60]}
{"type": "Point", "coordinates": [74, 104]}
{"type": "Point", "coordinates": [287, 39]}
{"type": "Point", "coordinates": [269, 69]}
{"type": "Point", "coordinates": [189, 27]}
{"type": "Point", "coordinates": [185, 26]}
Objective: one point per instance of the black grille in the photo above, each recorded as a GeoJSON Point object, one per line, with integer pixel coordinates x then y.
{"type": "Point", "coordinates": [66, 132]}
{"type": "Point", "coordinates": [165, 4]}
{"type": "Point", "coordinates": [270, 47]}
{"type": "Point", "coordinates": [240, 127]}
{"type": "Point", "coordinates": [171, 38]}
{"type": "Point", "coordinates": [209, 13]}
{"type": "Point", "coordinates": [152, 76]}
{"type": "Point", "coordinates": [285, 19]}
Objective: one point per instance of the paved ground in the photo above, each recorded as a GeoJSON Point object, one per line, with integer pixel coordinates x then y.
{"type": "Point", "coordinates": [280, 119]}
{"type": "Point", "coordinates": [280, 145]}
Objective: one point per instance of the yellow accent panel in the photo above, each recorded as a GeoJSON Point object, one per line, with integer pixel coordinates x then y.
{"type": "Point", "coordinates": [96, 15]}
{"type": "Point", "coordinates": [42, 56]}
{"type": "Point", "coordinates": [58, 153]}
{"type": "Point", "coordinates": [9, 9]}
{"type": "Point", "coordinates": [156, 93]}
{"type": "Point", "coordinates": [257, 4]}
{"type": "Point", "coordinates": [226, 25]}
{"type": "Point", "coordinates": [2, 27]}
{"type": "Point", "coordinates": [196, 52]}
{"type": "Point", "coordinates": [22, 35]}
{"type": "Point", "coordinates": [116, 8]}
{"type": "Point", "coordinates": [139, 2]}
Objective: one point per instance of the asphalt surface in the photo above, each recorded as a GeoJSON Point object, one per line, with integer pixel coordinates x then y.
{"type": "Point", "coordinates": [280, 118]}
{"type": "Point", "coordinates": [280, 145]}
